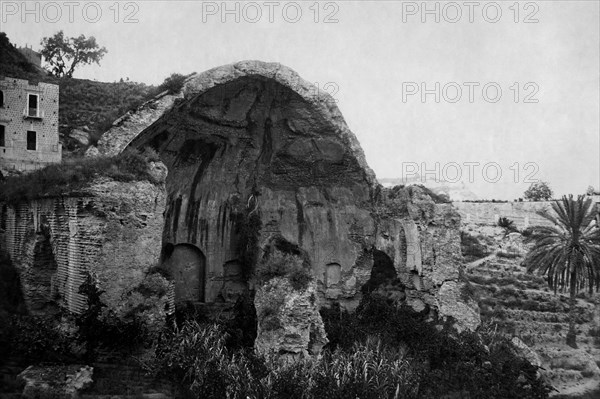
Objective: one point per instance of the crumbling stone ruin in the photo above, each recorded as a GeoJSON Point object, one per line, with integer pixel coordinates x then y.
{"type": "Point", "coordinates": [109, 230]}
{"type": "Point", "coordinates": [261, 162]}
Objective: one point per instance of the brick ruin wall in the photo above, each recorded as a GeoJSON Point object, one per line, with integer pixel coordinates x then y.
{"type": "Point", "coordinates": [112, 232]}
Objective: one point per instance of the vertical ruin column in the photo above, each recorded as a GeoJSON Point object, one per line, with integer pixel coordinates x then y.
{"type": "Point", "coordinates": [413, 246]}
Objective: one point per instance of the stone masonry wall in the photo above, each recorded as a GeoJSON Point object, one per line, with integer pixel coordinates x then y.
{"type": "Point", "coordinates": [522, 213]}
{"type": "Point", "coordinates": [112, 230]}
{"type": "Point", "coordinates": [15, 119]}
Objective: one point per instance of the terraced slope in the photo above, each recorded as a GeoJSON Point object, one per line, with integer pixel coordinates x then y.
{"type": "Point", "coordinates": [522, 305]}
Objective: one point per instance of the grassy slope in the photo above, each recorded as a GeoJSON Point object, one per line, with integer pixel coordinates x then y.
{"type": "Point", "coordinates": [95, 105]}
{"type": "Point", "coordinates": [522, 305]}
{"type": "Point", "coordinates": [82, 102]}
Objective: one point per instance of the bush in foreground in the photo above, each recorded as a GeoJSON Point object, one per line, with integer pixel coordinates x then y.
{"type": "Point", "coordinates": [377, 352]}
{"type": "Point", "coordinates": [196, 359]}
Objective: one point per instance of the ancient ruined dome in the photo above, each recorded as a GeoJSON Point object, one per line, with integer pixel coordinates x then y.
{"type": "Point", "coordinates": [255, 137]}
{"type": "Point", "coordinates": [261, 165]}
{"type": "Point", "coordinates": [260, 161]}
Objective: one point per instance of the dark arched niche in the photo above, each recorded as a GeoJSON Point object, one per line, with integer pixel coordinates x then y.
{"type": "Point", "coordinates": [333, 274]}
{"type": "Point", "coordinates": [383, 271]}
{"type": "Point", "coordinates": [43, 272]}
{"type": "Point", "coordinates": [187, 265]}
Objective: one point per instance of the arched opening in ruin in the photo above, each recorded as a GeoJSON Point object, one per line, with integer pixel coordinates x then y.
{"type": "Point", "coordinates": [187, 265]}
{"type": "Point", "coordinates": [3, 216]}
{"type": "Point", "coordinates": [43, 273]}
{"type": "Point", "coordinates": [382, 273]}
{"type": "Point", "coordinates": [234, 283]}
{"type": "Point", "coordinates": [244, 148]}
{"type": "Point", "coordinates": [333, 274]}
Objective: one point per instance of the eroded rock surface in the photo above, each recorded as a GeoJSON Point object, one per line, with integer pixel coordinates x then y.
{"type": "Point", "coordinates": [128, 126]}
{"type": "Point", "coordinates": [255, 155]}
{"type": "Point", "coordinates": [289, 323]}
{"type": "Point", "coordinates": [108, 229]}
{"type": "Point", "coordinates": [259, 158]}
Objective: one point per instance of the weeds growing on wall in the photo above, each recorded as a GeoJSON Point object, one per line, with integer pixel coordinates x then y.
{"type": "Point", "coordinates": [69, 177]}
{"type": "Point", "coordinates": [278, 264]}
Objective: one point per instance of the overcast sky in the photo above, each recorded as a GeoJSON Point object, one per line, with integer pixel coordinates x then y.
{"type": "Point", "coordinates": [375, 57]}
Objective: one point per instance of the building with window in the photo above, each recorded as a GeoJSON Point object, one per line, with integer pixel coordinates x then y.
{"type": "Point", "coordinates": [28, 125]}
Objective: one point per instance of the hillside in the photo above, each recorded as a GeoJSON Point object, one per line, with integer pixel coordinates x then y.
{"type": "Point", "coordinates": [521, 305]}
{"type": "Point", "coordinates": [86, 108]}
{"type": "Point", "coordinates": [13, 63]}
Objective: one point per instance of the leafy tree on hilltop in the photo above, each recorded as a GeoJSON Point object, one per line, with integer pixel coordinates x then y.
{"type": "Point", "coordinates": [539, 191]}
{"type": "Point", "coordinates": [64, 54]}
{"type": "Point", "coordinates": [568, 253]}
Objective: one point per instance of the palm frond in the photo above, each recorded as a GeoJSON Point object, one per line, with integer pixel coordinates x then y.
{"type": "Point", "coordinates": [571, 247]}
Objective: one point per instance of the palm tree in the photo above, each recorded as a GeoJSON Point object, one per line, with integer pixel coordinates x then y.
{"type": "Point", "coordinates": [568, 253]}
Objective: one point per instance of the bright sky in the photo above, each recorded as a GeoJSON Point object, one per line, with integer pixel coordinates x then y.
{"type": "Point", "coordinates": [376, 57]}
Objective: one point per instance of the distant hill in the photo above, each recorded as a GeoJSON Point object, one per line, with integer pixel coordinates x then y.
{"type": "Point", "coordinates": [14, 64]}
{"type": "Point", "coordinates": [86, 108]}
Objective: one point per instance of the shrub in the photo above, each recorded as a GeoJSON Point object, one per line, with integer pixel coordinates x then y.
{"type": "Point", "coordinates": [507, 224]}
{"type": "Point", "coordinates": [278, 264]}
{"type": "Point", "coordinates": [379, 351]}
{"type": "Point", "coordinates": [173, 84]}
{"type": "Point", "coordinates": [459, 365]}
{"type": "Point", "coordinates": [146, 305]}
{"type": "Point", "coordinates": [438, 198]}
{"type": "Point", "coordinates": [538, 191]}
{"type": "Point", "coordinates": [192, 357]}
{"type": "Point", "coordinates": [370, 370]}
{"type": "Point", "coordinates": [471, 246]}
{"type": "Point", "coordinates": [68, 177]}
{"type": "Point", "coordinates": [196, 359]}
{"type": "Point", "coordinates": [527, 232]}
{"type": "Point", "coordinates": [102, 328]}
{"type": "Point", "coordinates": [39, 338]}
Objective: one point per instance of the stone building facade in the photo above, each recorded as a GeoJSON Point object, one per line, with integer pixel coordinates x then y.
{"type": "Point", "coordinates": [28, 125]}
